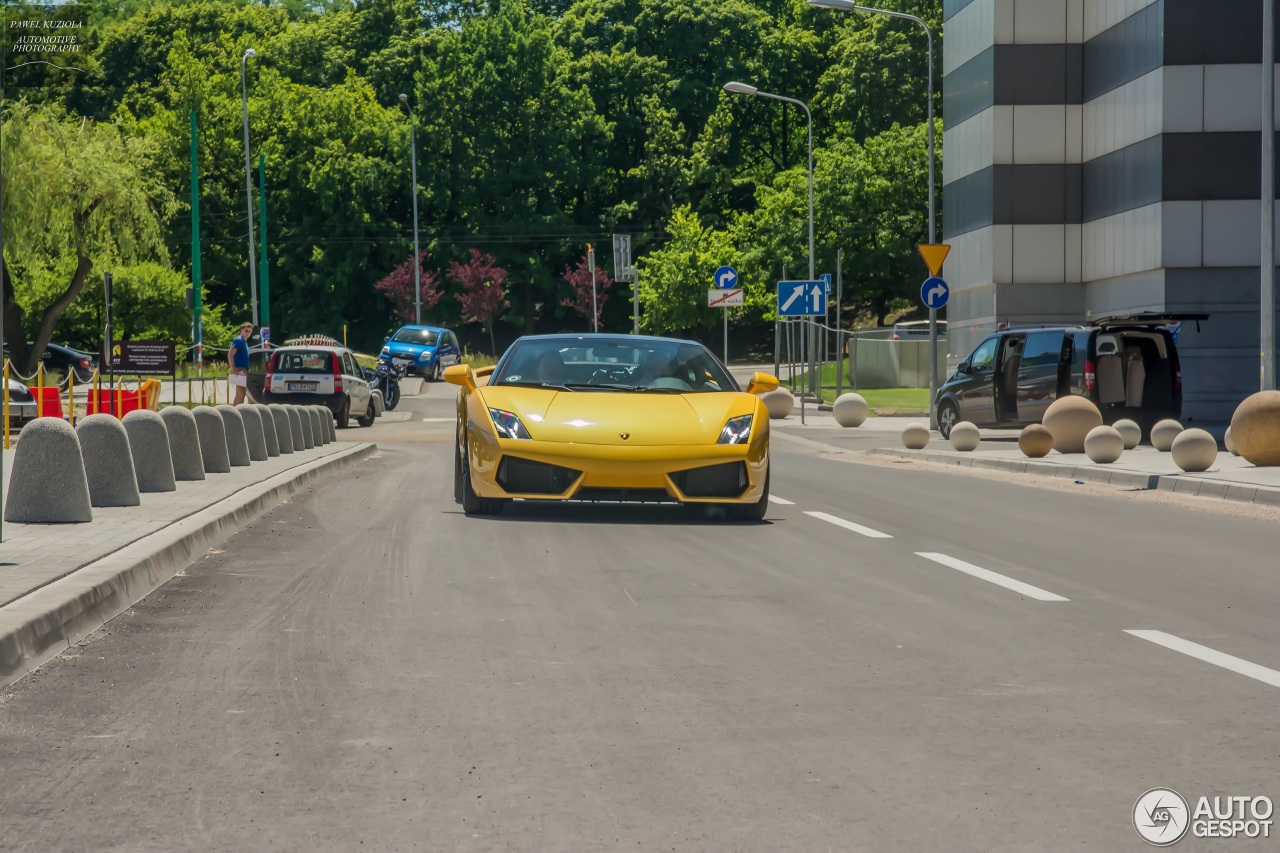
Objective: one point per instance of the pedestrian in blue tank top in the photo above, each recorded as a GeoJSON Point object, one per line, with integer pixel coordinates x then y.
{"type": "Point", "coordinates": [240, 362]}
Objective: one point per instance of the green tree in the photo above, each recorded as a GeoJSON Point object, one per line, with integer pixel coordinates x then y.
{"type": "Point", "coordinates": [675, 278]}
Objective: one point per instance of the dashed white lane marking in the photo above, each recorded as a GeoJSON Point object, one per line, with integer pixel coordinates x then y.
{"type": "Point", "coordinates": [849, 525]}
{"type": "Point", "coordinates": [774, 499]}
{"type": "Point", "coordinates": [1213, 656]}
{"type": "Point", "coordinates": [993, 577]}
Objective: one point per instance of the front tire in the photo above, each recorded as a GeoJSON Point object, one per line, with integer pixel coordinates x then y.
{"type": "Point", "coordinates": [390, 396]}
{"type": "Point", "coordinates": [437, 372]}
{"type": "Point", "coordinates": [751, 512]}
{"type": "Point", "coordinates": [948, 417]}
{"type": "Point", "coordinates": [369, 416]}
{"type": "Point", "coordinates": [473, 504]}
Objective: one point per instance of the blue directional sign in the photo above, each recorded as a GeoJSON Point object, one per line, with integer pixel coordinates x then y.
{"type": "Point", "coordinates": [802, 299]}
{"type": "Point", "coordinates": [934, 292]}
{"type": "Point", "coordinates": [726, 278]}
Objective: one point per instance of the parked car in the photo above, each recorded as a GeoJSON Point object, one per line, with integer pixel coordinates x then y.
{"type": "Point", "coordinates": [917, 330]}
{"type": "Point", "coordinates": [430, 349]}
{"type": "Point", "coordinates": [63, 358]}
{"type": "Point", "coordinates": [22, 404]}
{"type": "Point", "coordinates": [320, 374]}
{"type": "Point", "coordinates": [1127, 365]}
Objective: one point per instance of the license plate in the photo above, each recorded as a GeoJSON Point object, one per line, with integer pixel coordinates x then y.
{"type": "Point", "coordinates": [301, 386]}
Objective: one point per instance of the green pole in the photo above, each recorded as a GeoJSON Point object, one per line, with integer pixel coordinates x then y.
{"type": "Point", "coordinates": [196, 302]}
{"type": "Point", "coordinates": [262, 231]}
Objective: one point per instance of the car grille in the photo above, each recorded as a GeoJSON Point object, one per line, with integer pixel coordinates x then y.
{"type": "Point", "coordinates": [726, 480]}
{"type": "Point", "coordinates": [523, 476]}
{"type": "Point", "coordinates": [627, 495]}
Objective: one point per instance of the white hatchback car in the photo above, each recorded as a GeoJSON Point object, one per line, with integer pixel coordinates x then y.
{"type": "Point", "coordinates": [320, 374]}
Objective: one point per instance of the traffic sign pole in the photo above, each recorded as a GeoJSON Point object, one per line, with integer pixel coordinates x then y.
{"type": "Point", "coordinates": [934, 255]}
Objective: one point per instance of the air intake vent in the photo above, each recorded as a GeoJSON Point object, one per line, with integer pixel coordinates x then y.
{"type": "Point", "coordinates": [522, 476]}
{"type": "Point", "coordinates": [727, 480]}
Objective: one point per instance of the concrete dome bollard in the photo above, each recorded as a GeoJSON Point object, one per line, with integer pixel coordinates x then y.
{"type": "Point", "coordinates": [184, 443]}
{"type": "Point", "coordinates": [915, 436]}
{"type": "Point", "coordinates": [284, 427]}
{"type": "Point", "coordinates": [1230, 443]}
{"type": "Point", "coordinates": [1103, 445]}
{"type": "Point", "coordinates": [1194, 450]}
{"type": "Point", "coordinates": [1035, 441]}
{"type": "Point", "coordinates": [108, 461]}
{"type": "Point", "coordinates": [1163, 434]}
{"type": "Point", "coordinates": [268, 430]}
{"type": "Point", "coordinates": [237, 440]}
{"type": "Point", "coordinates": [331, 424]}
{"type": "Point", "coordinates": [850, 410]}
{"type": "Point", "coordinates": [253, 433]}
{"type": "Point", "coordinates": [1130, 432]}
{"type": "Point", "coordinates": [213, 439]}
{"type": "Point", "coordinates": [304, 417]}
{"type": "Point", "coordinates": [779, 402]}
{"type": "Point", "coordinates": [152, 458]}
{"type": "Point", "coordinates": [1069, 420]}
{"type": "Point", "coordinates": [965, 436]}
{"type": "Point", "coordinates": [295, 428]}
{"type": "Point", "coordinates": [48, 484]}
{"type": "Point", "coordinates": [317, 426]}
{"type": "Point", "coordinates": [379, 404]}
{"type": "Point", "coordinates": [1255, 428]}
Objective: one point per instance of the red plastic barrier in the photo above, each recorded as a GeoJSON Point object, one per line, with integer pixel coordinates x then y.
{"type": "Point", "coordinates": [118, 403]}
{"type": "Point", "coordinates": [52, 401]}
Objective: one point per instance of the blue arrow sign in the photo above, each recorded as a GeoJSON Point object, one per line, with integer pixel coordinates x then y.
{"type": "Point", "coordinates": [934, 292]}
{"type": "Point", "coordinates": [802, 299]}
{"type": "Point", "coordinates": [726, 278]}
{"type": "Point", "coordinates": [826, 281]}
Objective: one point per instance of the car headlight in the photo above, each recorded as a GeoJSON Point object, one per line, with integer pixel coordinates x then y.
{"type": "Point", "coordinates": [424, 356]}
{"type": "Point", "coordinates": [508, 425]}
{"type": "Point", "coordinates": [736, 431]}
{"type": "Point", "coordinates": [386, 350]}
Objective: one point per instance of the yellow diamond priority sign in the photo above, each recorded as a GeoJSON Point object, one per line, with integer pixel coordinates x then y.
{"type": "Point", "coordinates": [934, 254]}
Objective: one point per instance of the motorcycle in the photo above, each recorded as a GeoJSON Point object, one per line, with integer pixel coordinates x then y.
{"type": "Point", "coordinates": [386, 378]}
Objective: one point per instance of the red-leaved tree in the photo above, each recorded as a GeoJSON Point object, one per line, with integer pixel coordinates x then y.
{"type": "Point", "coordinates": [579, 279]}
{"type": "Point", "coordinates": [482, 295]}
{"type": "Point", "coordinates": [398, 288]}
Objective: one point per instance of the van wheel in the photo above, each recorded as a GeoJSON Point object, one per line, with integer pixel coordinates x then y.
{"type": "Point", "coordinates": [344, 414]}
{"type": "Point", "coordinates": [948, 417]}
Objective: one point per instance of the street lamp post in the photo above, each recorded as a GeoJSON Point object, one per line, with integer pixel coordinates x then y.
{"type": "Point", "coordinates": [248, 179]}
{"type": "Point", "coordinates": [417, 263]}
{"type": "Point", "coordinates": [744, 89]}
{"type": "Point", "coordinates": [850, 6]}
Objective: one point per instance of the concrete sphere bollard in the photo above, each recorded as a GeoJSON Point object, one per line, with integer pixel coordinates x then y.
{"type": "Point", "coordinates": [1163, 434]}
{"type": "Point", "coordinates": [108, 461]}
{"type": "Point", "coordinates": [1035, 441]}
{"type": "Point", "coordinates": [295, 428]}
{"type": "Point", "coordinates": [1255, 428]}
{"type": "Point", "coordinates": [1194, 450]}
{"type": "Point", "coordinates": [212, 429]}
{"type": "Point", "coordinates": [284, 427]}
{"type": "Point", "coordinates": [48, 484]}
{"type": "Point", "coordinates": [1103, 445]}
{"type": "Point", "coordinates": [379, 404]}
{"type": "Point", "coordinates": [1069, 420]}
{"type": "Point", "coordinates": [850, 410]}
{"type": "Point", "coordinates": [253, 433]}
{"type": "Point", "coordinates": [184, 443]}
{"type": "Point", "coordinates": [268, 429]}
{"type": "Point", "coordinates": [149, 443]}
{"type": "Point", "coordinates": [1129, 431]}
{"type": "Point", "coordinates": [1230, 443]}
{"type": "Point", "coordinates": [304, 417]}
{"type": "Point", "coordinates": [317, 426]}
{"type": "Point", "coordinates": [237, 441]}
{"type": "Point", "coordinates": [915, 436]}
{"type": "Point", "coordinates": [779, 402]}
{"type": "Point", "coordinates": [965, 436]}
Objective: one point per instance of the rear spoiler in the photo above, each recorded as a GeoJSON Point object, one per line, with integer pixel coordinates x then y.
{"type": "Point", "coordinates": [1151, 318]}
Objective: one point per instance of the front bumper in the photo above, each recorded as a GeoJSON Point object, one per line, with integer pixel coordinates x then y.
{"type": "Point", "coordinates": [560, 471]}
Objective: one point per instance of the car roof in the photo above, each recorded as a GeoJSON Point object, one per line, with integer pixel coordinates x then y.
{"type": "Point", "coordinates": [603, 336]}
{"type": "Point", "coordinates": [311, 347]}
{"type": "Point", "coordinates": [427, 328]}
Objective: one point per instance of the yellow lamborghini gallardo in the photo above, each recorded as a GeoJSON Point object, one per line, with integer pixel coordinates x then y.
{"type": "Point", "coordinates": [610, 418]}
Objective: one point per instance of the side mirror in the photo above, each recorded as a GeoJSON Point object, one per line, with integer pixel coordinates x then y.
{"type": "Point", "coordinates": [962, 367]}
{"type": "Point", "coordinates": [387, 339]}
{"type": "Point", "coordinates": [762, 383]}
{"type": "Point", "coordinates": [460, 374]}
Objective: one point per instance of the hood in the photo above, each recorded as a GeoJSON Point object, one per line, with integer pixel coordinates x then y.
{"type": "Point", "coordinates": [406, 346]}
{"type": "Point", "coordinates": [602, 417]}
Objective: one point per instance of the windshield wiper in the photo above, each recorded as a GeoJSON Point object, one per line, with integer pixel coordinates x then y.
{"type": "Point", "coordinates": [597, 386]}
{"type": "Point", "coordinates": [530, 384]}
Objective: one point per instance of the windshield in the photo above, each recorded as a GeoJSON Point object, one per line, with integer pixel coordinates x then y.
{"type": "Point", "coordinates": [617, 364]}
{"type": "Point", "coordinates": [303, 361]}
{"type": "Point", "coordinates": [422, 337]}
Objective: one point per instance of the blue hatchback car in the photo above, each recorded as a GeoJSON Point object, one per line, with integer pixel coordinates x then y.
{"type": "Point", "coordinates": [430, 349]}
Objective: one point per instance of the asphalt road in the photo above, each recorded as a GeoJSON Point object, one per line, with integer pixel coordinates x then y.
{"type": "Point", "coordinates": [366, 668]}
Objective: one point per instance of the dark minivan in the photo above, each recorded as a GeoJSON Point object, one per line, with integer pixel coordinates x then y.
{"type": "Point", "coordinates": [1127, 365]}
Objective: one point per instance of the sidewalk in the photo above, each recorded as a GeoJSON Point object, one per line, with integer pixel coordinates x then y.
{"type": "Point", "coordinates": [59, 582]}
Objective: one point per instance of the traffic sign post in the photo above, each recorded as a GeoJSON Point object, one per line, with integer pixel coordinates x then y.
{"type": "Point", "coordinates": [726, 278]}
{"type": "Point", "coordinates": [934, 255]}
{"type": "Point", "coordinates": [725, 298]}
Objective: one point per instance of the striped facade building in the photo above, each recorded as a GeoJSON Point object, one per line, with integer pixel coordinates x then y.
{"type": "Point", "coordinates": [1104, 156]}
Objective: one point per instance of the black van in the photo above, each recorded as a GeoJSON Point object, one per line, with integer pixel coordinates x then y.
{"type": "Point", "coordinates": [1127, 365]}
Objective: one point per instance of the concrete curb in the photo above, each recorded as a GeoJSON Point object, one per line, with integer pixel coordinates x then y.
{"type": "Point", "coordinates": [1180, 484]}
{"type": "Point", "coordinates": [36, 628]}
